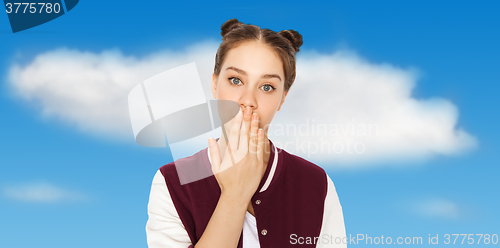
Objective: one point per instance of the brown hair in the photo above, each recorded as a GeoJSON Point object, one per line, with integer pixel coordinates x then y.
{"type": "Point", "coordinates": [285, 43]}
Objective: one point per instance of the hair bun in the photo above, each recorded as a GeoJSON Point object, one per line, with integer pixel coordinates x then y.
{"type": "Point", "coordinates": [229, 25]}
{"type": "Point", "coordinates": [294, 37]}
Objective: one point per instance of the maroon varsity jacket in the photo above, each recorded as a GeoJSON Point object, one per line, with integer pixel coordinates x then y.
{"type": "Point", "coordinates": [292, 204]}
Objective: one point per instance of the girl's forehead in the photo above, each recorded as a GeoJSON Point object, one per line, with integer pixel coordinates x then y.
{"type": "Point", "coordinates": [253, 57]}
{"type": "Point", "coordinates": [253, 47]}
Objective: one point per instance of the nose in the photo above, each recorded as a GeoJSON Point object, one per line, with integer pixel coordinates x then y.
{"type": "Point", "coordinates": [248, 100]}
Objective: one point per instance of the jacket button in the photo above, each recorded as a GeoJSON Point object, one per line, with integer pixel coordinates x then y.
{"type": "Point", "coordinates": [257, 202]}
{"type": "Point", "coordinates": [263, 232]}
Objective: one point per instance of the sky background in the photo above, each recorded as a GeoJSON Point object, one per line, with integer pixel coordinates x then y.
{"type": "Point", "coordinates": [64, 184]}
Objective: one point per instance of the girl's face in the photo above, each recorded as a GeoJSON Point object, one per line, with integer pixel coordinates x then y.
{"type": "Point", "coordinates": [252, 75]}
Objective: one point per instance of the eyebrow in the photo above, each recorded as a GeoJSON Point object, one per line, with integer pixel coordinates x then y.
{"type": "Point", "coordinates": [244, 73]}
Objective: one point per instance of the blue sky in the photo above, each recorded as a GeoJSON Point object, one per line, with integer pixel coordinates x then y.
{"type": "Point", "coordinates": [452, 44]}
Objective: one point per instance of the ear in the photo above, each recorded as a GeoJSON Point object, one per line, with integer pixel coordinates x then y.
{"type": "Point", "coordinates": [214, 86]}
{"type": "Point", "coordinates": [282, 101]}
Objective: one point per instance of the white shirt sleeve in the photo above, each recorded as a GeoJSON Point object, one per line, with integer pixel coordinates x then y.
{"type": "Point", "coordinates": [164, 228]}
{"type": "Point", "coordinates": [333, 229]}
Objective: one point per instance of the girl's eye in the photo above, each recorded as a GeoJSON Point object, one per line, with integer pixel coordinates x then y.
{"type": "Point", "coordinates": [268, 87]}
{"type": "Point", "coordinates": [265, 87]}
{"type": "Point", "coordinates": [235, 80]}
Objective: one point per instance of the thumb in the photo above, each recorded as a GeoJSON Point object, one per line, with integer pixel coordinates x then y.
{"type": "Point", "coordinates": [213, 148]}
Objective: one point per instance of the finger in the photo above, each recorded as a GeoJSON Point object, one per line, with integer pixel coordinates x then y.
{"type": "Point", "coordinates": [253, 134]}
{"type": "Point", "coordinates": [213, 148]}
{"type": "Point", "coordinates": [248, 122]}
{"type": "Point", "coordinates": [245, 130]}
{"type": "Point", "coordinates": [231, 159]}
{"type": "Point", "coordinates": [234, 132]}
{"type": "Point", "coordinates": [260, 149]}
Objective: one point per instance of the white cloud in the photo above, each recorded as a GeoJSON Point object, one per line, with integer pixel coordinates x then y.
{"type": "Point", "coordinates": [89, 90]}
{"type": "Point", "coordinates": [437, 208]}
{"type": "Point", "coordinates": [369, 113]}
{"type": "Point", "coordinates": [41, 192]}
{"type": "Point", "coordinates": [368, 110]}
